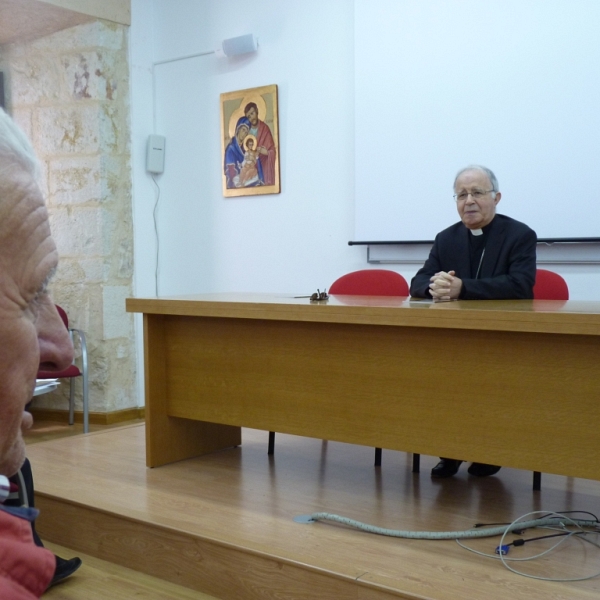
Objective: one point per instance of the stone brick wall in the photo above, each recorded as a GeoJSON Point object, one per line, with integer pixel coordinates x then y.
{"type": "Point", "coordinates": [70, 93]}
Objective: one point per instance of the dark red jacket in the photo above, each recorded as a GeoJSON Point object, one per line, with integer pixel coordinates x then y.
{"type": "Point", "coordinates": [25, 569]}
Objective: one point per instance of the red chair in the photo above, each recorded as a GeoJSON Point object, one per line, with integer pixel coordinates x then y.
{"type": "Point", "coordinates": [548, 286]}
{"type": "Point", "coordinates": [367, 282]}
{"type": "Point", "coordinates": [371, 282]}
{"type": "Point", "coordinates": [374, 282]}
{"type": "Point", "coordinates": [72, 372]}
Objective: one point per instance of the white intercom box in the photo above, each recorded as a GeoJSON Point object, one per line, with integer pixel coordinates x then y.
{"type": "Point", "coordinates": [155, 154]}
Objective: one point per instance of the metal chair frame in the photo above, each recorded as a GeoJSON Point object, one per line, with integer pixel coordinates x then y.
{"type": "Point", "coordinates": [79, 336]}
{"type": "Point", "coordinates": [84, 378]}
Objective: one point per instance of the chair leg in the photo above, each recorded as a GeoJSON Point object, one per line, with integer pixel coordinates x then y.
{"type": "Point", "coordinates": [71, 400]}
{"type": "Point", "coordinates": [416, 463]}
{"type": "Point", "coordinates": [271, 449]}
{"type": "Point", "coordinates": [537, 481]}
{"type": "Point", "coordinates": [86, 407]}
{"type": "Point", "coordinates": [377, 457]}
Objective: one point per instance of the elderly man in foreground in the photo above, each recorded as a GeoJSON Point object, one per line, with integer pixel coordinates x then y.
{"type": "Point", "coordinates": [32, 336]}
{"type": "Point", "coordinates": [485, 256]}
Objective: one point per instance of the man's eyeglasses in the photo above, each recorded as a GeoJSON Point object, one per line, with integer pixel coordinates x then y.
{"type": "Point", "coordinates": [475, 194]}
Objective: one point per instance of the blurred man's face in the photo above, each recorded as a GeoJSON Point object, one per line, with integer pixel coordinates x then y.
{"type": "Point", "coordinates": [32, 333]}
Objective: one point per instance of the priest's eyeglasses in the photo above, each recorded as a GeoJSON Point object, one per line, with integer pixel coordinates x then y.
{"type": "Point", "coordinates": [475, 194]}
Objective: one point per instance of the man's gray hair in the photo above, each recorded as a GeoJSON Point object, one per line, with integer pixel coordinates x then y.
{"type": "Point", "coordinates": [488, 172]}
{"type": "Point", "coordinates": [15, 148]}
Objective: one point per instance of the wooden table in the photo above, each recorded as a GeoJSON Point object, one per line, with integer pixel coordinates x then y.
{"type": "Point", "coordinates": [512, 382]}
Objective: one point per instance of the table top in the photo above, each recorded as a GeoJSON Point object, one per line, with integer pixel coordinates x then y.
{"type": "Point", "coordinates": [542, 316]}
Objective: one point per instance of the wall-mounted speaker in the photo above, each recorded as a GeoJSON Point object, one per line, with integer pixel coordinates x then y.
{"type": "Point", "coordinates": [243, 44]}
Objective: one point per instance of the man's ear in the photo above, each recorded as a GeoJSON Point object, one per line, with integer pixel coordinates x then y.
{"type": "Point", "coordinates": [497, 198]}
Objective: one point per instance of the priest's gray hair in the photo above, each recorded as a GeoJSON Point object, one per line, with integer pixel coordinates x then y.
{"type": "Point", "coordinates": [488, 172]}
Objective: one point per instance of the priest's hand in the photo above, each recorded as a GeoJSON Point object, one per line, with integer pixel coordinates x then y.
{"type": "Point", "coordinates": [445, 286]}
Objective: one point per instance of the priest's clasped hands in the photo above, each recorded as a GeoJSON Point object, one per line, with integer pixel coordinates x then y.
{"type": "Point", "coordinates": [445, 286]}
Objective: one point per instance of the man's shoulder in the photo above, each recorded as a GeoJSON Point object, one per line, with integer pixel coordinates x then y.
{"type": "Point", "coordinates": [513, 224]}
{"type": "Point", "coordinates": [262, 126]}
{"type": "Point", "coordinates": [451, 231]}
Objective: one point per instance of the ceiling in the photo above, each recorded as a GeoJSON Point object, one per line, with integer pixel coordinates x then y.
{"type": "Point", "coordinates": [23, 20]}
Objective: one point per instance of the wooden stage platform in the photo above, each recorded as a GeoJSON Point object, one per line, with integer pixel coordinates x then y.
{"type": "Point", "coordinates": [223, 523]}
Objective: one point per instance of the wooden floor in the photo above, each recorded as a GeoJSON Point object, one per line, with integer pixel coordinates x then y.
{"type": "Point", "coordinates": [223, 523]}
{"type": "Point", "coordinates": [99, 580]}
{"type": "Point", "coordinates": [44, 431]}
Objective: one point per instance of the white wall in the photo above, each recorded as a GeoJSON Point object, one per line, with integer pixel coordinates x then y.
{"type": "Point", "coordinates": [141, 56]}
{"type": "Point", "coordinates": [295, 241]}
{"type": "Point", "coordinates": [292, 242]}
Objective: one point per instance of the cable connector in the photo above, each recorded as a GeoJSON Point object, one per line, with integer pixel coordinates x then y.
{"type": "Point", "coordinates": [502, 550]}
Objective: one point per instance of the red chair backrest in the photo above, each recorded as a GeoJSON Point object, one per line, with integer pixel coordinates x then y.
{"type": "Point", "coordinates": [63, 315]}
{"type": "Point", "coordinates": [370, 282]}
{"type": "Point", "coordinates": [549, 286]}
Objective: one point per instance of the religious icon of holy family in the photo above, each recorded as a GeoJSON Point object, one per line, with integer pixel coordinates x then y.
{"type": "Point", "coordinates": [250, 142]}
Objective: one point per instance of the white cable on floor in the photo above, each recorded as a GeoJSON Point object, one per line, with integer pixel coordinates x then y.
{"type": "Point", "coordinates": [447, 535]}
{"type": "Point", "coordinates": [499, 556]}
{"type": "Point", "coordinates": [557, 521]}
{"type": "Point", "coordinates": [570, 521]}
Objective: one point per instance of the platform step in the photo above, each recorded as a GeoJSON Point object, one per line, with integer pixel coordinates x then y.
{"type": "Point", "coordinates": [99, 579]}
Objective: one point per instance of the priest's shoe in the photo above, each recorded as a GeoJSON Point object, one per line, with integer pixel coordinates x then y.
{"type": "Point", "coordinates": [482, 470]}
{"type": "Point", "coordinates": [445, 468]}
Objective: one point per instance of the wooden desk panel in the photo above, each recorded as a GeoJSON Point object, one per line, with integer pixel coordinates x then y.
{"type": "Point", "coordinates": [435, 385]}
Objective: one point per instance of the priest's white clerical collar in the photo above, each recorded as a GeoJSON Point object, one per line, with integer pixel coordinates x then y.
{"type": "Point", "coordinates": [476, 231]}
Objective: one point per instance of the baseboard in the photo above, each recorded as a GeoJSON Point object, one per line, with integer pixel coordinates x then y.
{"type": "Point", "coordinates": [96, 418]}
